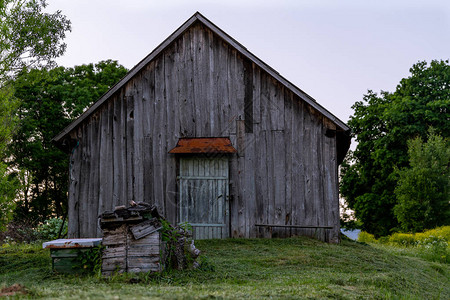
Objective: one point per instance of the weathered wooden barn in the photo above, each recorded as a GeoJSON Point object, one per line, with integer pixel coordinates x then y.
{"type": "Point", "coordinates": [213, 136]}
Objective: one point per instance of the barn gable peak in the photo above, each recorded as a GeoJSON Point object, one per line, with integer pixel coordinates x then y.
{"type": "Point", "coordinates": [198, 17]}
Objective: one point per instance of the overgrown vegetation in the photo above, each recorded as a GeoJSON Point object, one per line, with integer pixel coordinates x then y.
{"type": "Point", "coordinates": [90, 261]}
{"type": "Point", "coordinates": [177, 255]}
{"type": "Point", "coordinates": [24, 231]}
{"type": "Point", "coordinates": [247, 268]}
{"type": "Point", "coordinates": [432, 245]}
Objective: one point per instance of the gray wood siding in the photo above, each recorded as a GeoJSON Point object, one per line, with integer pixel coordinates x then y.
{"type": "Point", "coordinates": [285, 171]}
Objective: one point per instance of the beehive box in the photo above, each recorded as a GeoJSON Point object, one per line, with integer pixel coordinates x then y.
{"type": "Point", "coordinates": [132, 244]}
{"type": "Point", "coordinates": [64, 253]}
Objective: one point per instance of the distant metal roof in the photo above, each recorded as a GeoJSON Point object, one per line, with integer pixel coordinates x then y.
{"type": "Point", "coordinates": [203, 145]}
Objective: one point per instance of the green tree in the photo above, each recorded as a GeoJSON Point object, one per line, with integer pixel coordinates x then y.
{"type": "Point", "coordinates": [382, 125]}
{"type": "Point", "coordinates": [423, 189]}
{"type": "Point", "coordinates": [50, 100]}
{"type": "Point", "coordinates": [29, 37]}
{"type": "Point", "coordinates": [9, 184]}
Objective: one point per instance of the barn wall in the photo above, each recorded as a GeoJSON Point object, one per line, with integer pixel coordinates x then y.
{"type": "Point", "coordinates": [285, 171]}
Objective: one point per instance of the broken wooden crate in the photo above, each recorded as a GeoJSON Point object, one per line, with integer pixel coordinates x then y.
{"type": "Point", "coordinates": [132, 241]}
{"type": "Point", "coordinates": [65, 253]}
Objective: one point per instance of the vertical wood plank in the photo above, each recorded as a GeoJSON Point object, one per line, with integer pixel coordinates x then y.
{"type": "Point", "coordinates": [232, 91]}
{"type": "Point", "coordinates": [279, 181]}
{"type": "Point", "coordinates": [159, 136]}
{"type": "Point", "coordinates": [240, 178]}
{"type": "Point", "coordinates": [94, 230]}
{"type": "Point", "coordinates": [171, 61]}
{"type": "Point", "coordinates": [108, 190]}
{"type": "Point", "coordinates": [138, 138]}
{"type": "Point", "coordinates": [129, 175]}
{"type": "Point", "coordinates": [256, 94]}
{"type": "Point", "coordinates": [187, 105]}
{"type": "Point", "coordinates": [331, 185]}
{"type": "Point", "coordinates": [265, 103]}
{"type": "Point", "coordinates": [75, 189]}
{"type": "Point", "coordinates": [262, 191]}
{"type": "Point", "coordinates": [319, 186]}
{"type": "Point", "coordinates": [84, 182]}
{"type": "Point", "coordinates": [288, 112]}
{"type": "Point", "coordinates": [148, 97]}
{"type": "Point", "coordinates": [250, 185]}
{"type": "Point", "coordinates": [298, 177]}
{"type": "Point", "coordinates": [198, 85]}
{"type": "Point", "coordinates": [307, 147]}
{"type": "Point", "coordinates": [225, 116]}
{"type": "Point", "coordinates": [104, 183]}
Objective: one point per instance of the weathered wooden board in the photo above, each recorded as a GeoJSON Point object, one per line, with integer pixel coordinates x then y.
{"type": "Point", "coordinates": [124, 253]}
{"type": "Point", "coordinates": [143, 229]}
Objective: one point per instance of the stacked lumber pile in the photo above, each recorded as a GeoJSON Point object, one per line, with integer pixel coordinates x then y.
{"type": "Point", "coordinates": [132, 240]}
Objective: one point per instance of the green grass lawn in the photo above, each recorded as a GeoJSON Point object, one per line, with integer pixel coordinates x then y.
{"type": "Point", "coordinates": [247, 269]}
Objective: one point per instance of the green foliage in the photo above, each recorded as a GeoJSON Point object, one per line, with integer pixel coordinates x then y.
{"type": "Point", "coordinates": [29, 36]}
{"type": "Point", "coordinates": [9, 185]}
{"type": "Point", "coordinates": [365, 237]}
{"type": "Point", "coordinates": [49, 101]}
{"type": "Point", "coordinates": [171, 234]}
{"type": "Point", "coordinates": [382, 125]}
{"type": "Point", "coordinates": [175, 239]}
{"type": "Point", "coordinates": [8, 120]}
{"type": "Point", "coordinates": [443, 232]}
{"type": "Point", "coordinates": [435, 248]}
{"type": "Point", "coordinates": [51, 229]}
{"type": "Point", "coordinates": [90, 261]}
{"type": "Point", "coordinates": [423, 189]}
{"type": "Point", "coordinates": [432, 245]}
{"type": "Point", "coordinates": [402, 239]}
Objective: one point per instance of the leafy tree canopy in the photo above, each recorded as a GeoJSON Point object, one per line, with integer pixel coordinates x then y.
{"type": "Point", "coordinates": [423, 189]}
{"type": "Point", "coordinates": [29, 37]}
{"type": "Point", "coordinates": [382, 124]}
{"type": "Point", "coordinates": [50, 100]}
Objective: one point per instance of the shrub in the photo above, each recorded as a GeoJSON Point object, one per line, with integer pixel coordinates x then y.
{"type": "Point", "coordinates": [435, 249]}
{"type": "Point", "coordinates": [403, 239]}
{"type": "Point", "coordinates": [90, 261]}
{"type": "Point", "coordinates": [443, 232]}
{"type": "Point", "coordinates": [432, 245]}
{"type": "Point", "coordinates": [18, 232]}
{"type": "Point", "coordinates": [366, 237]}
{"type": "Point", "coordinates": [50, 229]}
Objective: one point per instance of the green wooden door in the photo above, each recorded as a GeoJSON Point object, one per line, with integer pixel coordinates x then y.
{"type": "Point", "coordinates": [203, 190]}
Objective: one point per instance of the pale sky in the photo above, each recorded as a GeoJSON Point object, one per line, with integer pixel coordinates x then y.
{"type": "Point", "coordinates": [333, 50]}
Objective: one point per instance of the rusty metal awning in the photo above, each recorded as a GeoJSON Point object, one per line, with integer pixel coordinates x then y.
{"type": "Point", "coordinates": [203, 145]}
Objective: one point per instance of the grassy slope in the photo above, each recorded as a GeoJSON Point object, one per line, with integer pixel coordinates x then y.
{"type": "Point", "coordinates": [278, 268]}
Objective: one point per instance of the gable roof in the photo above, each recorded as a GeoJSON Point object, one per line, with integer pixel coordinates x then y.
{"type": "Point", "coordinates": [197, 17]}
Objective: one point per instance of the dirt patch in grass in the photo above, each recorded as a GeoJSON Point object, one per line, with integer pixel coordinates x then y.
{"type": "Point", "coordinates": [13, 290]}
